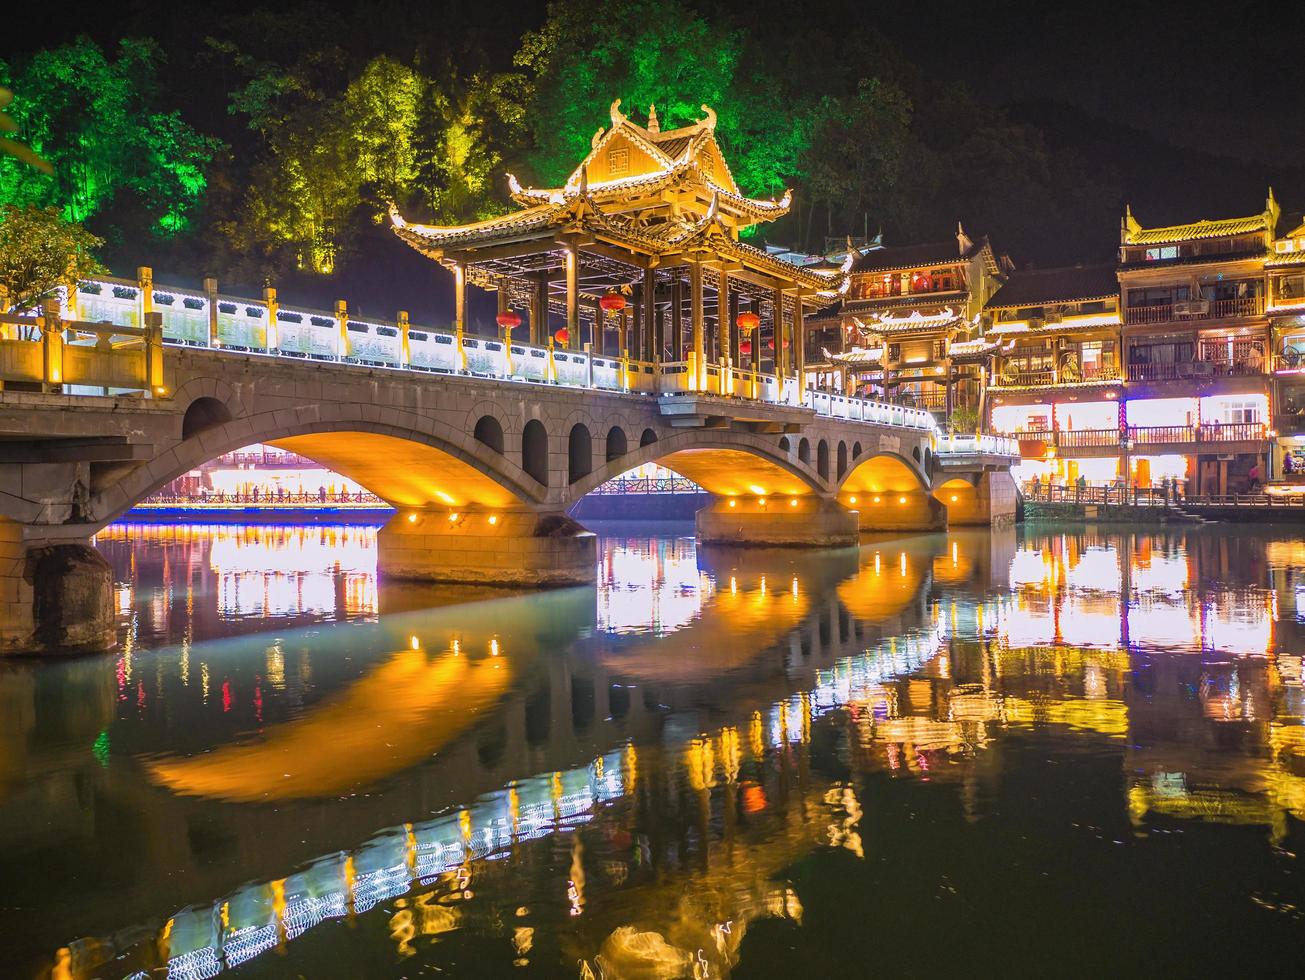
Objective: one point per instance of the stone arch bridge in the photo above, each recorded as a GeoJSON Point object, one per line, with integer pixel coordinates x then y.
{"type": "Point", "coordinates": [482, 471]}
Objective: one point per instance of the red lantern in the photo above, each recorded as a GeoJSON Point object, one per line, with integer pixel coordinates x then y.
{"type": "Point", "coordinates": [747, 320]}
{"type": "Point", "coordinates": [562, 336]}
{"type": "Point", "coordinates": [745, 348]}
{"type": "Point", "coordinates": [770, 344]}
{"type": "Point", "coordinates": [509, 319]}
{"type": "Point", "coordinates": [612, 302]}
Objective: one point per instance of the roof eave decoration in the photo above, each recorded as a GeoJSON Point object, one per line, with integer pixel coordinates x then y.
{"type": "Point", "coordinates": [1132, 233]}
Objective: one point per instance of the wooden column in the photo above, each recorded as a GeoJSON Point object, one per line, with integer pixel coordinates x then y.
{"type": "Point", "coordinates": [677, 317]}
{"type": "Point", "coordinates": [695, 318]}
{"type": "Point", "coordinates": [799, 344]}
{"type": "Point", "coordinates": [573, 298]}
{"type": "Point", "coordinates": [539, 311]}
{"type": "Point", "coordinates": [649, 314]}
{"type": "Point", "coordinates": [779, 333]}
{"type": "Point", "coordinates": [636, 322]}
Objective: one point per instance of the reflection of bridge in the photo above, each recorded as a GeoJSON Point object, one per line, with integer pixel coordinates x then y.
{"type": "Point", "coordinates": [545, 758]}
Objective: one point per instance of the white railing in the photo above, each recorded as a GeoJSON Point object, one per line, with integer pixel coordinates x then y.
{"type": "Point", "coordinates": [992, 445]}
{"type": "Point", "coordinates": [257, 327]}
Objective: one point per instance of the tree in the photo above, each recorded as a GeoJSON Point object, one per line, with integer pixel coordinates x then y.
{"type": "Point", "coordinates": [95, 120]}
{"type": "Point", "coordinates": [860, 150]}
{"type": "Point", "coordinates": [656, 52]}
{"type": "Point", "coordinates": [14, 148]}
{"type": "Point", "coordinates": [39, 251]}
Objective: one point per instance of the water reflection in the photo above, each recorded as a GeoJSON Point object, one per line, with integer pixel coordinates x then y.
{"type": "Point", "coordinates": [634, 780]}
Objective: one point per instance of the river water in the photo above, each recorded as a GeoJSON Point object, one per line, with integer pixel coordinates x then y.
{"type": "Point", "coordinates": [1050, 751]}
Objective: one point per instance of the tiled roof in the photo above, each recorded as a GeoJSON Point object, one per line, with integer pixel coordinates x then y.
{"type": "Point", "coordinates": [892, 257]}
{"type": "Point", "coordinates": [1196, 230]}
{"type": "Point", "coordinates": [1037, 287]}
{"type": "Point", "coordinates": [1285, 258]}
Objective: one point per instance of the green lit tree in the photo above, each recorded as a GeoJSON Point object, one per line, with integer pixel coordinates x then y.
{"type": "Point", "coordinates": [95, 120]}
{"type": "Point", "coordinates": [656, 52]}
{"type": "Point", "coordinates": [13, 148]}
{"type": "Point", "coordinates": [39, 251]}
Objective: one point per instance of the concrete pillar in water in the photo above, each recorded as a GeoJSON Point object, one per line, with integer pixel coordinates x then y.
{"type": "Point", "coordinates": [895, 510]}
{"type": "Point", "coordinates": [56, 597]}
{"type": "Point", "coordinates": [807, 521]}
{"type": "Point", "coordinates": [989, 503]}
{"type": "Point", "coordinates": [501, 547]}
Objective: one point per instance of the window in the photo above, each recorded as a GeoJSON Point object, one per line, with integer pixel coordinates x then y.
{"type": "Point", "coordinates": [1162, 252]}
{"type": "Point", "coordinates": [1291, 287]}
{"type": "Point", "coordinates": [618, 161]}
{"type": "Point", "coordinates": [1237, 410]}
{"type": "Point", "coordinates": [1284, 245]}
{"type": "Point", "coordinates": [894, 352]}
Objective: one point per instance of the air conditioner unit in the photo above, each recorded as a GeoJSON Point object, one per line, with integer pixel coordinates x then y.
{"type": "Point", "coordinates": [1053, 316]}
{"type": "Point", "coordinates": [1203, 367]}
{"type": "Point", "coordinates": [1199, 307]}
{"type": "Point", "coordinates": [1182, 309]}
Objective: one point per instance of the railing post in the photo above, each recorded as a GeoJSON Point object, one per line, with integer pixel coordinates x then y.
{"type": "Point", "coordinates": [154, 354]}
{"type": "Point", "coordinates": [51, 345]}
{"type": "Point", "coordinates": [211, 296]}
{"type": "Point", "coordinates": [589, 365]}
{"type": "Point", "coordinates": [405, 344]}
{"type": "Point", "coordinates": [342, 319]}
{"type": "Point", "coordinates": [552, 365]}
{"type": "Point", "coordinates": [270, 335]}
{"type": "Point", "coordinates": [145, 282]}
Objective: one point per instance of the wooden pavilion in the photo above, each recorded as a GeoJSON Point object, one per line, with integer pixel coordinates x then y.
{"type": "Point", "coordinates": [639, 255]}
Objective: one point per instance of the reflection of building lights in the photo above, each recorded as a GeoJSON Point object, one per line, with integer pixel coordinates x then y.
{"type": "Point", "coordinates": [903, 563]}
{"type": "Point", "coordinates": [457, 647]}
{"type": "Point", "coordinates": [493, 647]}
{"type": "Point", "coordinates": [761, 501]}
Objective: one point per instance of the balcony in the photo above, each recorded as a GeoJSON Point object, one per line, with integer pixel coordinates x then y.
{"type": "Point", "coordinates": [1200, 309]}
{"type": "Point", "coordinates": [1070, 441]}
{"type": "Point", "coordinates": [1046, 377]}
{"type": "Point", "coordinates": [1194, 370]}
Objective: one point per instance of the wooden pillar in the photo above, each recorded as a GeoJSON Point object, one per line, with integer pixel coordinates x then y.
{"type": "Point", "coordinates": [649, 296]}
{"type": "Point", "coordinates": [736, 358]}
{"type": "Point", "coordinates": [677, 319]}
{"type": "Point", "coordinates": [695, 318]}
{"type": "Point", "coordinates": [636, 322]}
{"type": "Point", "coordinates": [460, 312]}
{"type": "Point", "coordinates": [623, 333]}
{"type": "Point", "coordinates": [573, 298]}
{"type": "Point", "coordinates": [539, 311]}
{"type": "Point", "coordinates": [799, 344]}
{"type": "Point", "coordinates": [781, 361]}
{"type": "Point", "coordinates": [723, 353]}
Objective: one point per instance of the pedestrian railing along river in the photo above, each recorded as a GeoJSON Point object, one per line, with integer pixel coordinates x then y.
{"type": "Point", "coordinates": [107, 336]}
{"type": "Point", "coordinates": [1102, 496]}
{"type": "Point", "coordinates": [218, 499]}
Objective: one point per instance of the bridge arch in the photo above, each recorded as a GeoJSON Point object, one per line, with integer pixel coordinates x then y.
{"type": "Point", "coordinates": [489, 432]}
{"type": "Point", "coordinates": [579, 452]}
{"type": "Point", "coordinates": [409, 460]}
{"type": "Point", "coordinates": [617, 444]}
{"type": "Point", "coordinates": [727, 464]}
{"type": "Point", "coordinates": [884, 473]}
{"type": "Point", "coordinates": [534, 451]}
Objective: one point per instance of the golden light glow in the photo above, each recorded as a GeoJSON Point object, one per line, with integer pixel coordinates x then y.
{"type": "Point", "coordinates": [733, 502]}
{"type": "Point", "coordinates": [876, 500]}
{"type": "Point", "coordinates": [901, 500]}
{"type": "Point", "coordinates": [453, 517]}
{"type": "Point", "coordinates": [412, 518]}
{"type": "Point", "coordinates": [493, 518]}
{"type": "Point", "coordinates": [852, 499]}
{"type": "Point", "coordinates": [793, 502]}
{"type": "Point", "coordinates": [953, 498]}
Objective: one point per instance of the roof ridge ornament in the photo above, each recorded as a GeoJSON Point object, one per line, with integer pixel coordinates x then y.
{"type": "Point", "coordinates": [615, 110]}
{"type": "Point", "coordinates": [710, 120]}
{"type": "Point", "coordinates": [596, 138]}
{"type": "Point", "coordinates": [654, 124]}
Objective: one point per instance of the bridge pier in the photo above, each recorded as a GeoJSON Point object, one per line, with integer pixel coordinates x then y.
{"type": "Point", "coordinates": [894, 510]}
{"type": "Point", "coordinates": [56, 596]}
{"type": "Point", "coordinates": [803, 521]}
{"type": "Point", "coordinates": [989, 502]}
{"type": "Point", "coordinates": [487, 547]}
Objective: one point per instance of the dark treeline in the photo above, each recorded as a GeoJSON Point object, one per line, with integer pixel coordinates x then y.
{"type": "Point", "coordinates": [258, 143]}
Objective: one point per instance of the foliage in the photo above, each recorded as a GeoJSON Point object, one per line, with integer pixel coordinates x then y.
{"type": "Point", "coordinates": [14, 148]}
{"type": "Point", "coordinates": [859, 150]}
{"type": "Point", "coordinates": [655, 52]}
{"type": "Point", "coordinates": [965, 420]}
{"type": "Point", "coordinates": [97, 122]}
{"type": "Point", "coordinates": [39, 251]}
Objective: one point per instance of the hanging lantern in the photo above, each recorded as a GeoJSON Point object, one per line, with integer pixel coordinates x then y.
{"type": "Point", "coordinates": [612, 302]}
{"type": "Point", "coordinates": [563, 336]}
{"type": "Point", "coordinates": [770, 344]}
{"type": "Point", "coordinates": [747, 320]}
{"type": "Point", "coordinates": [509, 319]}
{"type": "Point", "coordinates": [745, 348]}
